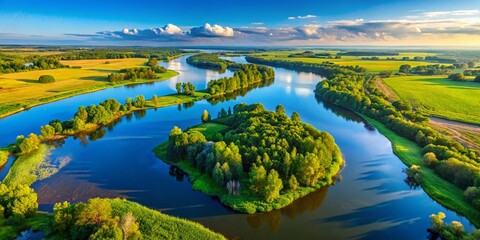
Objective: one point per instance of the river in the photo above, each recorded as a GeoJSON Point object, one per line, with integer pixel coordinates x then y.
{"type": "Point", "coordinates": [371, 201]}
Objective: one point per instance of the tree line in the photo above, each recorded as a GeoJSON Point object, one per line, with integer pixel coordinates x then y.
{"type": "Point", "coordinates": [15, 64]}
{"type": "Point", "coordinates": [133, 74]}
{"type": "Point", "coordinates": [247, 75]}
{"type": "Point", "coordinates": [211, 61]}
{"type": "Point", "coordinates": [162, 54]}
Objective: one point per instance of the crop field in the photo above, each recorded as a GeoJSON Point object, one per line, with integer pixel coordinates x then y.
{"type": "Point", "coordinates": [23, 87]}
{"type": "Point", "coordinates": [439, 96]}
{"type": "Point", "coordinates": [370, 65]}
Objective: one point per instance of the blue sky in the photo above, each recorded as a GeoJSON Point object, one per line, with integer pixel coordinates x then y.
{"type": "Point", "coordinates": [247, 22]}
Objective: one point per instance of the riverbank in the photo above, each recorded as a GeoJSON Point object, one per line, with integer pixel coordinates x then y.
{"type": "Point", "coordinates": [438, 189]}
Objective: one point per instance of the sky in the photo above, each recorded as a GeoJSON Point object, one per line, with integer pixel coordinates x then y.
{"type": "Point", "coordinates": [241, 22]}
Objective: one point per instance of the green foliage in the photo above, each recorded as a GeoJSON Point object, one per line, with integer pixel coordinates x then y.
{"type": "Point", "coordinates": [248, 75]}
{"type": "Point", "coordinates": [477, 79]}
{"type": "Point", "coordinates": [293, 183]}
{"type": "Point", "coordinates": [209, 61]}
{"type": "Point", "coordinates": [295, 117]}
{"type": "Point", "coordinates": [26, 145]}
{"type": "Point", "coordinates": [46, 79]}
{"type": "Point", "coordinates": [430, 160]}
{"type": "Point", "coordinates": [187, 88]}
{"type": "Point", "coordinates": [3, 157]}
{"type": "Point", "coordinates": [430, 70]}
{"type": "Point", "coordinates": [454, 230]}
{"type": "Point", "coordinates": [17, 201]}
{"type": "Point", "coordinates": [152, 62]}
{"type": "Point", "coordinates": [139, 101]}
{"type": "Point", "coordinates": [205, 116]}
{"type": "Point", "coordinates": [405, 68]}
{"type": "Point", "coordinates": [23, 170]}
{"type": "Point", "coordinates": [257, 142]}
{"type": "Point", "coordinates": [457, 77]}
{"type": "Point", "coordinates": [178, 87]}
{"type": "Point", "coordinates": [47, 131]}
{"type": "Point", "coordinates": [133, 74]}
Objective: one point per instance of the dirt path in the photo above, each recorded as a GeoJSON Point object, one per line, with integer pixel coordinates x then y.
{"type": "Point", "coordinates": [465, 133]}
{"type": "Point", "coordinates": [391, 95]}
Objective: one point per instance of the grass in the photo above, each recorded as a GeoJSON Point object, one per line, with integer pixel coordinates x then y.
{"type": "Point", "coordinates": [23, 169]}
{"type": "Point", "coordinates": [35, 223]}
{"type": "Point", "coordinates": [371, 65]}
{"type": "Point", "coordinates": [155, 225]}
{"type": "Point", "coordinates": [438, 96]}
{"type": "Point", "coordinates": [246, 201]}
{"type": "Point", "coordinates": [22, 90]}
{"type": "Point", "coordinates": [439, 189]}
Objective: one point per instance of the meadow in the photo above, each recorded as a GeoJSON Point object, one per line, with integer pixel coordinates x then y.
{"type": "Point", "coordinates": [439, 96]}
{"type": "Point", "coordinates": [370, 65]}
{"type": "Point", "coordinates": [22, 90]}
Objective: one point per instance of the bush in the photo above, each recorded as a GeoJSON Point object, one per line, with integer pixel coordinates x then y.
{"type": "Point", "coordinates": [457, 77]}
{"type": "Point", "coordinates": [46, 79]}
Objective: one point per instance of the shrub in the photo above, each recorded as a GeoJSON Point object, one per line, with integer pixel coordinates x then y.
{"type": "Point", "coordinates": [457, 77]}
{"type": "Point", "coordinates": [46, 79]}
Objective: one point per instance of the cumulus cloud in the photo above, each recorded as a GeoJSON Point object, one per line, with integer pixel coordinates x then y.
{"type": "Point", "coordinates": [208, 30]}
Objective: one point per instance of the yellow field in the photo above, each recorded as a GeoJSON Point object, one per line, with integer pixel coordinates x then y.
{"type": "Point", "coordinates": [23, 87]}
{"type": "Point", "coordinates": [370, 65]}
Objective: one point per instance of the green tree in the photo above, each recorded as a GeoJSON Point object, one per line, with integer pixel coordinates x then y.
{"type": "Point", "coordinates": [280, 109]}
{"type": "Point", "coordinates": [178, 87]}
{"type": "Point", "coordinates": [82, 113]}
{"type": "Point", "coordinates": [218, 175]}
{"type": "Point", "coordinates": [29, 144]}
{"type": "Point", "coordinates": [257, 177]}
{"type": "Point", "coordinates": [292, 183]}
{"type": "Point", "coordinates": [152, 62]}
{"type": "Point", "coordinates": [205, 116]}
{"type": "Point", "coordinates": [47, 131]}
{"type": "Point", "coordinates": [18, 200]}
{"type": "Point", "coordinates": [78, 124]}
{"type": "Point", "coordinates": [405, 68]}
{"type": "Point", "coordinates": [430, 159]}
{"type": "Point", "coordinates": [295, 117]}
{"type": "Point", "coordinates": [139, 101]}
{"type": "Point", "coordinates": [110, 232]}
{"type": "Point", "coordinates": [437, 222]}
{"type": "Point", "coordinates": [273, 185]}
{"type": "Point", "coordinates": [46, 79]}
{"type": "Point", "coordinates": [457, 77]}
{"type": "Point", "coordinates": [95, 212]}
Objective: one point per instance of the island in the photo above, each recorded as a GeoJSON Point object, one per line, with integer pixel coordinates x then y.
{"type": "Point", "coordinates": [252, 159]}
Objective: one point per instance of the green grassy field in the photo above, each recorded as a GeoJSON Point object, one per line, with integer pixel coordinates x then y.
{"type": "Point", "coordinates": [438, 96]}
{"type": "Point", "coordinates": [23, 169]}
{"type": "Point", "coordinates": [370, 65]}
{"type": "Point", "coordinates": [22, 89]}
{"type": "Point", "coordinates": [442, 191]}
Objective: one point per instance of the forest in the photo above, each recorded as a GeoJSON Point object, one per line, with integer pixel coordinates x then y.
{"type": "Point", "coordinates": [261, 161]}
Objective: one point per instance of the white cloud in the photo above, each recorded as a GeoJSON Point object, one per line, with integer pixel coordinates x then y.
{"type": "Point", "coordinates": [291, 18]}
{"type": "Point", "coordinates": [169, 29]}
{"type": "Point", "coordinates": [257, 23]}
{"type": "Point", "coordinates": [307, 16]}
{"type": "Point", "coordinates": [451, 13]}
{"type": "Point", "coordinates": [208, 30]}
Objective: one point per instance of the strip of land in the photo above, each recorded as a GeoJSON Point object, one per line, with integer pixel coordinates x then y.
{"type": "Point", "coordinates": [22, 90]}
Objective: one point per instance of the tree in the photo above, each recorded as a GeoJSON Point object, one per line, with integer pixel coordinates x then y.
{"type": "Point", "coordinates": [457, 77]}
{"type": "Point", "coordinates": [273, 185]}
{"type": "Point", "coordinates": [152, 62]}
{"type": "Point", "coordinates": [18, 200]}
{"type": "Point", "coordinates": [218, 175]}
{"type": "Point", "coordinates": [82, 113]}
{"type": "Point", "coordinates": [205, 116]}
{"type": "Point", "coordinates": [29, 144]}
{"type": "Point", "coordinates": [477, 79]}
{"type": "Point", "coordinates": [129, 227]}
{"type": "Point", "coordinates": [128, 104]}
{"type": "Point", "coordinates": [155, 100]}
{"type": "Point", "coordinates": [437, 222]}
{"type": "Point", "coordinates": [295, 117]}
{"type": "Point", "coordinates": [139, 101]}
{"type": "Point", "coordinates": [430, 159]}
{"type": "Point", "coordinates": [175, 131]}
{"type": "Point", "coordinates": [229, 111]}
{"type": "Point", "coordinates": [57, 125]}
{"type": "Point", "coordinates": [47, 131]}
{"type": "Point", "coordinates": [107, 232]}
{"type": "Point", "coordinates": [46, 79]}
{"type": "Point", "coordinates": [404, 68]}
{"type": "Point", "coordinates": [78, 124]}
{"type": "Point", "coordinates": [280, 109]}
{"type": "Point", "coordinates": [96, 212]}
{"type": "Point", "coordinates": [257, 177]}
{"type": "Point", "coordinates": [178, 87]}
{"type": "Point", "coordinates": [292, 183]}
